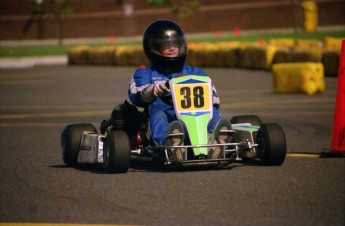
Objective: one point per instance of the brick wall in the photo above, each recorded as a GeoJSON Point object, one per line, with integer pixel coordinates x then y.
{"type": "Point", "coordinates": [103, 18]}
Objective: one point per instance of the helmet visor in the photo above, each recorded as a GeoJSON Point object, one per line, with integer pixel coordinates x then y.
{"type": "Point", "coordinates": [168, 46]}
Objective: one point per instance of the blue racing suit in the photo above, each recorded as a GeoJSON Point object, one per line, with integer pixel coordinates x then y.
{"type": "Point", "coordinates": [161, 113]}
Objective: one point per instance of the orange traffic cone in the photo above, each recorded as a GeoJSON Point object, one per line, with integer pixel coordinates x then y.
{"type": "Point", "coordinates": [338, 134]}
{"type": "Point", "coordinates": [237, 31]}
{"type": "Point", "coordinates": [112, 39]}
{"type": "Point", "coordinates": [261, 42]}
{"type": "Point", "coordinates": [218, 33]}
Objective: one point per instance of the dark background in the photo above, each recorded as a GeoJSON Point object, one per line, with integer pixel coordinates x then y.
{"type": "Point", "coordinates": [104, 18]}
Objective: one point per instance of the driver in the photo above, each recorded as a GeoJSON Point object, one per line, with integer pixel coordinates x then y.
{"type": "Point", "coordinates": [165, 47]}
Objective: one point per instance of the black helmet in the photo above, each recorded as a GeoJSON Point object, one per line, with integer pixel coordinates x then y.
{"type": "Point", "coordinates": [160, 33]}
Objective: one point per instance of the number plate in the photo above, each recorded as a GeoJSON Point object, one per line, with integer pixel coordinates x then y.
{"type": "Point", "coordinates": [192, 97]}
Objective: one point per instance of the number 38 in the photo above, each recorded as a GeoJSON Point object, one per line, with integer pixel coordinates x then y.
{"type": "Point", "coordinates": [195, 98]}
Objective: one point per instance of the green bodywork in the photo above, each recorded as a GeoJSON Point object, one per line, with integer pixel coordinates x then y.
{"type": "Point", "coordinates": [195, 121]}
{"type": "Point", "coordinates": [197, 130]}
{"type": "Point", "coordinates": [246, 128]}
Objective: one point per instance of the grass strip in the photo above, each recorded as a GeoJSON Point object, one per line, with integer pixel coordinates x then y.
{"type": "Point", "coordinates": [55, 50]}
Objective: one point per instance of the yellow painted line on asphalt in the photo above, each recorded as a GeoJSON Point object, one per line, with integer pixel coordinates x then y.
{"type": "Point", "coordinates": [303, 155]}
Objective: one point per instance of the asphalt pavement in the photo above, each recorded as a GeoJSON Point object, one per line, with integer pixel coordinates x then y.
{"type": "Point", "coordinates": [37, 187]}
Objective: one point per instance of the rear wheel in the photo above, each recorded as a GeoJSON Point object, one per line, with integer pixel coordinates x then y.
{"type": "Point", "coordinates": [272, 144]}
{"type": "Point", "coordinates": [70, 141]}
{"type": "Point", "coordinates": [252, 119]}
{"type": "Point", "coordinates": [117, 156]}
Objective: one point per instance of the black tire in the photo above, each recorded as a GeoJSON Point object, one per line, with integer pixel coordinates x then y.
{"type": "Point", "coordinates": [70, 141]}
{"type": "Point", "coordinates": [252, 119]}
{"type": "Point", "coordinates": [117, 152]}
{"type": "Point", "coordinates": [272, 144]}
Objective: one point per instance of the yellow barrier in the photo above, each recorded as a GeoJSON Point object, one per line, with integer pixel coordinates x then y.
{"type": "Point", "coordinates": [255, 57]}
{"type": "Point", "coordinates": [197, 54]}
{"type": "Point", "coordinates": [308, 43]}
{"type": "Point", "coordinates": [130, 56]}
{"type": "Point", "coordinates": [305, 55]}
{"type": "Point", "coordinates": [230, 53]}
{"type": "Point", "coordinates": [282, 55]}
{"type": "Point", "coordinates": [193, 55]}
{"type": "Point", "coordinates": [310, 15]}
{"type": "Point", "coordinates": [78, 55]}
{"type": "Point", "coordinates": [298, 77]}
{"type": "Point", "coordinates": [222, 54]}
{"type": "Point", "coordinates": [330, 43]}
{"type": "Point", "coordinates": [282, 42]}
{"type": "Point", "coordinates": [213, 56]}
{"type": "Point", "coordinates": [102, 55]}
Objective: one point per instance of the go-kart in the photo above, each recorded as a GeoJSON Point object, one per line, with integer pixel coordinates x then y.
{"type": "Point", "coordinates": [126, 134]}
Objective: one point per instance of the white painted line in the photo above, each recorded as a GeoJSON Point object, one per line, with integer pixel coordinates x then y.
{"type": "Point", "coordinates": [27, 62]}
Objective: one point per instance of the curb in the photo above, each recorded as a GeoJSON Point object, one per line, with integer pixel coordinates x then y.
{"type": "Point", "coordinates": [28, 62]}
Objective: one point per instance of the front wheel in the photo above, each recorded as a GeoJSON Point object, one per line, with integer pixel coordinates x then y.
{"type": "Point", "coordinates": [117, 152]}
{"type": "Point", "coordinates": [70, 141]}
{"type": "Point", "coordinates": [272, 144]}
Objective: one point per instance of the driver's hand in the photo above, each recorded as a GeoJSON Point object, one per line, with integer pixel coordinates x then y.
{"type": "Point", "coordinates": [160, 89]}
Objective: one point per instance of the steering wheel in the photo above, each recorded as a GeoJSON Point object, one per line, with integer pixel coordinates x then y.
{"type": "Point", "coordinates": [167, 99]}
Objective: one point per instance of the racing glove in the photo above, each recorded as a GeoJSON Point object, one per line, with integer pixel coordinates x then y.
{"type": "Point", "coordinates": [152, 91]}
{"type": "Point", "coordinates": [160, 89]}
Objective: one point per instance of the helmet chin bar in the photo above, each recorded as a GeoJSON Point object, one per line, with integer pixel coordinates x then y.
{"type": "Point", "coordinates": [169, 63]}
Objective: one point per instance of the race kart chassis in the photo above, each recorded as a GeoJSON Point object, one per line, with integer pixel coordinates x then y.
{"type": "Point", "coordinates": [92, 147]}
{"type": "Point", "coordinates": [233, 151]}
{"type": "Point", "coordinates": [81, 144]}
{"type": "Point", "coordinates": [126, 134]}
